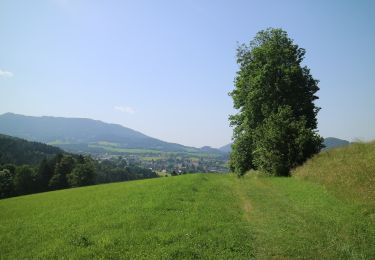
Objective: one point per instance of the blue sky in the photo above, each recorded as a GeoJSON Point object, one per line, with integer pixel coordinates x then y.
{"type": "Point", "coordinates": [165, 67]}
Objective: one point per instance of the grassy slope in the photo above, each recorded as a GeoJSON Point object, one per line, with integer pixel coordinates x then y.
{"type": "Point", "coordinates": [167, 217]}
{"type": "Point", "coordinates": [347, 172]}
{"type": "Point", "coordinates": [190, 216]}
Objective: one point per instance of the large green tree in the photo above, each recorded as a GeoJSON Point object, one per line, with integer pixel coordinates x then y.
{"type": "Point", "coordinates": [275, 127]}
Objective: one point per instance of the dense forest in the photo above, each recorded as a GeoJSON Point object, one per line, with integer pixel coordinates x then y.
{"type": "Point", "coordinates": [30, 167]}
{"type": "Point", "coordinates": [19, 151]}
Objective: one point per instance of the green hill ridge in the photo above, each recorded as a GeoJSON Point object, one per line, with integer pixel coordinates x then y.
{"type": "Point", "coordinates": [85, 135]}
{"type": "Point", "coordinates": [348, 172]}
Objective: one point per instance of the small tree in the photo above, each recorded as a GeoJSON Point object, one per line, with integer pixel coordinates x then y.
{"type": "Point", "coordinates": [275, 127]}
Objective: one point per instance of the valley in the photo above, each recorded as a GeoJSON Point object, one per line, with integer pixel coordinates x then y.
{"type": "Point", "coordinates": [106, 141]}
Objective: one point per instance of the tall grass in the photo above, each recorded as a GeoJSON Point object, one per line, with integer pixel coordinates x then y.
{"type": "Point", "coordinates": [348, 172]}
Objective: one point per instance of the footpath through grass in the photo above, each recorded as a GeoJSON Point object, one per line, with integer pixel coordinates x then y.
{"type": "Point", "coordinates": [295, 219]}
{"type": "Point", "coordinates": [205, 216]}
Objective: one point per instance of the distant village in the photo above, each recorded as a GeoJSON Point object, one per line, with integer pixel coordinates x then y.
{"type": "Point", "coordinates": [173, 163]}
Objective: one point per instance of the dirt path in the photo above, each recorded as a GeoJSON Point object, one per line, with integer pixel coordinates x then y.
{"type": "Point", "coordinates": [245, 201]}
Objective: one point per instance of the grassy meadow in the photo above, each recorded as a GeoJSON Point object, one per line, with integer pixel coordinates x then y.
{"type": "Point", "coordinates": [175, 217]}
{"type": "Point", "coordinates": [207, 216]}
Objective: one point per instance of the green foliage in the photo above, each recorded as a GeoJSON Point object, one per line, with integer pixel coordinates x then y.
{"type": "Point", "coordinates": [118, 170]}
{"type": "Point", "coordinates": [6, 184]}
{"type": "Point", "coordinates": [241, 157]}
{"type": "Point", "coordinates": [65, 171]}
{"type": "Point", "coordinates": [270, 80]}
{"type": "Point", "coordinates": [50, 169]}
{"type": "Point", "coordinates": [283, 142]}
{"type": "Point", "coordinates": [10, 167]}
{"type": "Point", "coordinates": [57, 181]}
{"type": "Point", "coordinates": [18, 151]}
{"type": "Point", "coordinates": [30, 167]}
{"type": "Point", "coordinates": [45, 172]}
{"type": "Point", "coordinates": [25, 180]}
{"type": "Point", "coordinates": [62, 169]}
{"type": "Point", "coordinates": [83, 174]}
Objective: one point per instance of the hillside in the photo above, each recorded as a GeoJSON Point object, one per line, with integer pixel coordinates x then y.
{"type": "Point", "coordinates": [226, 148]}
{"type": "Point", "coordinates": [18, 151]}
{"type": "Point", "coordinates": [333, 142]}
{"type": "Point", "coordinates": [84, 135]}
{"type": "Point", "coordinates": [348, 172]}
{"type": "Point", "coordinates": [32, 167]}
{"type": "Point", "coordinates": [199, 216]}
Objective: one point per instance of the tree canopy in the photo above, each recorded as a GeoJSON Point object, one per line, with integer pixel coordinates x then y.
{"type": "Point", "coordinates": [275, 127]}
{"type": "Point", "coordinates": [30, 167]}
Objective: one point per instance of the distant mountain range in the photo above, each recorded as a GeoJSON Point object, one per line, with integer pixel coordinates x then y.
{"type": "Point", "coordinates": [333, 142]}
{"type": "Point", "coordinates": [86, 135]}
{"type": "Point", "coordinates": [329, 142]}
{"type": "Point", "coordinates": [93, 136]}
{"type": "Point", "coordinates": [226, 148]}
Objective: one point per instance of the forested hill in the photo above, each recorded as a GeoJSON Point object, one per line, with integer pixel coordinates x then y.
{"type": "Point", "coordinates": [18, 151]}
{"type": "Point", "coordinates": [31, 167]}
{"type": "Point", "coordinates": [80, 134]}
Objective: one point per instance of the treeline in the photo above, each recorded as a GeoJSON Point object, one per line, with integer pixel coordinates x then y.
{"type": "Point", "coordinates": [65, 171]}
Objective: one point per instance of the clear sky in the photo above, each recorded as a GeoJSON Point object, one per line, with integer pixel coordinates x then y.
{"type": "Point", "coordinates": [165, 67]}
